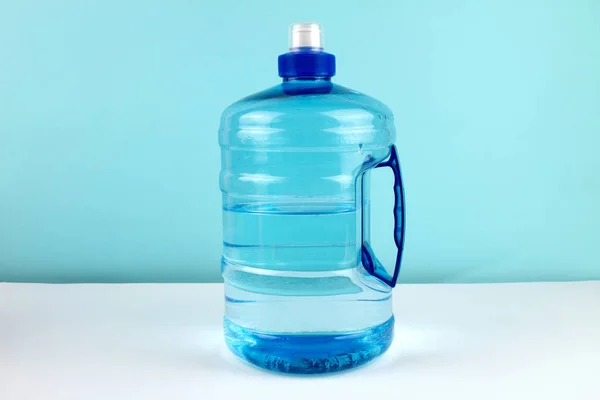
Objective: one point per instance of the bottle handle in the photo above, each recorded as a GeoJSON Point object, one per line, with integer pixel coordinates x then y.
{"type": "Point", "coordinates": [369, 260]}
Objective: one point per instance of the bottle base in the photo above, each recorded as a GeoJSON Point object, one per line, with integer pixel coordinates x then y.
{"type": "Point", "coordinates": [308, 353]}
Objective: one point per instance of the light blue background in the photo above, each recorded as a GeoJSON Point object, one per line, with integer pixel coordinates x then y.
{"type": "Point", "coordinates": [109, 111]}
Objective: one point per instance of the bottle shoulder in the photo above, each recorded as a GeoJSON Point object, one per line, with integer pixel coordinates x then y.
{"type": "Point", "coordinates": [313, 99]}
{"type": "Point", "coordinates": [283, 114]}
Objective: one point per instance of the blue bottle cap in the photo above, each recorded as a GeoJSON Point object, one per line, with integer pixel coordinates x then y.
{"type": "Point", "coordinates": [306, 57]}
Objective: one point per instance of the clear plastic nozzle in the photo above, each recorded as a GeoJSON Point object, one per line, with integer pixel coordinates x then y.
{"type": "Point", "coordinates": [306, 34]}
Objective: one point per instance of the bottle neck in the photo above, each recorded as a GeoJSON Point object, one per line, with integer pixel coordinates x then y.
{"type": "Point", "coordinates": [307, 79]}
{"type": "Point", "coordinates": [295, 85]}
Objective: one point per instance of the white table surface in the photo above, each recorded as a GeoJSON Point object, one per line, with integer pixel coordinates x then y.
{"type": "Point", "coordinates": [164, 341]}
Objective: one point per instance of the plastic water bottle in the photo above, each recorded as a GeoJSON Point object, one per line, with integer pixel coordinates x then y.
{"type": "Point", "coordinates": [304, 292]}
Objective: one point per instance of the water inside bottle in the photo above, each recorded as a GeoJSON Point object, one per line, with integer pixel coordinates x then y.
{"type": "Point", "coordinates": [292, 270]}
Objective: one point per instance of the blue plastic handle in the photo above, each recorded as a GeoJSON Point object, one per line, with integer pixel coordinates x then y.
{"type": "Point", "coordinates": [370, 262]}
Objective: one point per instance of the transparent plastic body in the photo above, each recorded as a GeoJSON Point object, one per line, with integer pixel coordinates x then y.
{"type": "Point", "coordinates": [295, 186]}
